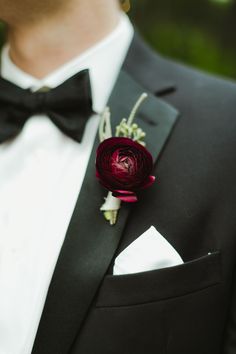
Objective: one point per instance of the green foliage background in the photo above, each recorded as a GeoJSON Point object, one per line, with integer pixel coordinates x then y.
{"type": "Point", "coordinates": [197, 32]}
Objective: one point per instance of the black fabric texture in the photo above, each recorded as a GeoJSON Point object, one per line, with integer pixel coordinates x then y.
{"type": "Point", "coordinates": [188, 309]}
{"type": "Point", "coordinates": [69, 106]}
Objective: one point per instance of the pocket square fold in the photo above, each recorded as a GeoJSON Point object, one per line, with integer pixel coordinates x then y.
{"type": "Point", "coordinates": [150, 251]}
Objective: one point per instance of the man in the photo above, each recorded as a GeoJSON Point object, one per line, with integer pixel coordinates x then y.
{"type": "Point", "coordinates": [59, 291]}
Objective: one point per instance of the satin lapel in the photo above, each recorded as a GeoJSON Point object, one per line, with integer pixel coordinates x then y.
{"type": "Point", "coordinates": [155, 117]}
{"type": "Point", "coordinates": [91, 242]}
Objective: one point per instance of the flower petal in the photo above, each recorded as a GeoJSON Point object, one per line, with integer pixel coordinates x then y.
{"type": "Point", "coordinates": [123, 192]}
{"type": "Point", "coordinates": [125, 196]}
{"type": "Point", "coordinates": [98, 174]}
{"type": "Point", "coordinates": [124, 166]}
{"type": "Point", "coordinates": [149, 182]}
{"type": "Point", "coordinates": [128, 198]}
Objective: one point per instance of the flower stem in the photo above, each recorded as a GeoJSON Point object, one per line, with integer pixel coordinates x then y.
{"type": "Point", "coordinates": [136, 107]}
{"type": "Point", "coordinates": [105, 130]}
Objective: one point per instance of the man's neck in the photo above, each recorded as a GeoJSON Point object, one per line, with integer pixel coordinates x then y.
{"type": "Point", "coordinates": [40, 48]}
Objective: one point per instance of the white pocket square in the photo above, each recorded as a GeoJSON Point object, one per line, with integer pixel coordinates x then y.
{"type": "Point", "coordinates": [148, 252]}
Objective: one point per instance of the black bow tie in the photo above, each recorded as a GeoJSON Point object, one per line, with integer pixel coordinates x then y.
{"type": "Point", "coordinates": [69, 106]}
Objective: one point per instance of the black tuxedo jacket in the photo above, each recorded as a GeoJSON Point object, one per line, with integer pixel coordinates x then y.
{"type": "Point", "coordinates": [190, 121]}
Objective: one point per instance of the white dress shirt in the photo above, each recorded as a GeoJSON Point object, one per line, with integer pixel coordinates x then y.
{"type": "Point", "coordinates": [41, 173]}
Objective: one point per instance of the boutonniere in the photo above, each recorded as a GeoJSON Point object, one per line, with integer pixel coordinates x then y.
{"type": "Point", "coordinates": [123, 164]}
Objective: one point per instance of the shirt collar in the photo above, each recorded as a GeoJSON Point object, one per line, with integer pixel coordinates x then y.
{"type": "Point", "coordinates": [104, 61]}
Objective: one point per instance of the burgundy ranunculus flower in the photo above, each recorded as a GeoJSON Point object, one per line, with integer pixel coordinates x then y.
{"type": "Point", "coordinates": [124, 166]}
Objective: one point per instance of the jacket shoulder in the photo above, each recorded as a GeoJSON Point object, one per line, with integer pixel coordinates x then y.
{"type": "Point", "coordinates": [155, 71]}
{"type": "Point", "coordinates": [195, 79]}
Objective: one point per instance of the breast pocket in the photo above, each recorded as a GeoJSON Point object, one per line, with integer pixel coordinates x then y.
{"type": "Point", "coordinates": [161, 284]}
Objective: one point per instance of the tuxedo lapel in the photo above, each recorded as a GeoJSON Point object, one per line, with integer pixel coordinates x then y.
{"type": "Point", "coordinates": [91, 242]}
{"type": "Point", "coordinates": [155, 117]}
